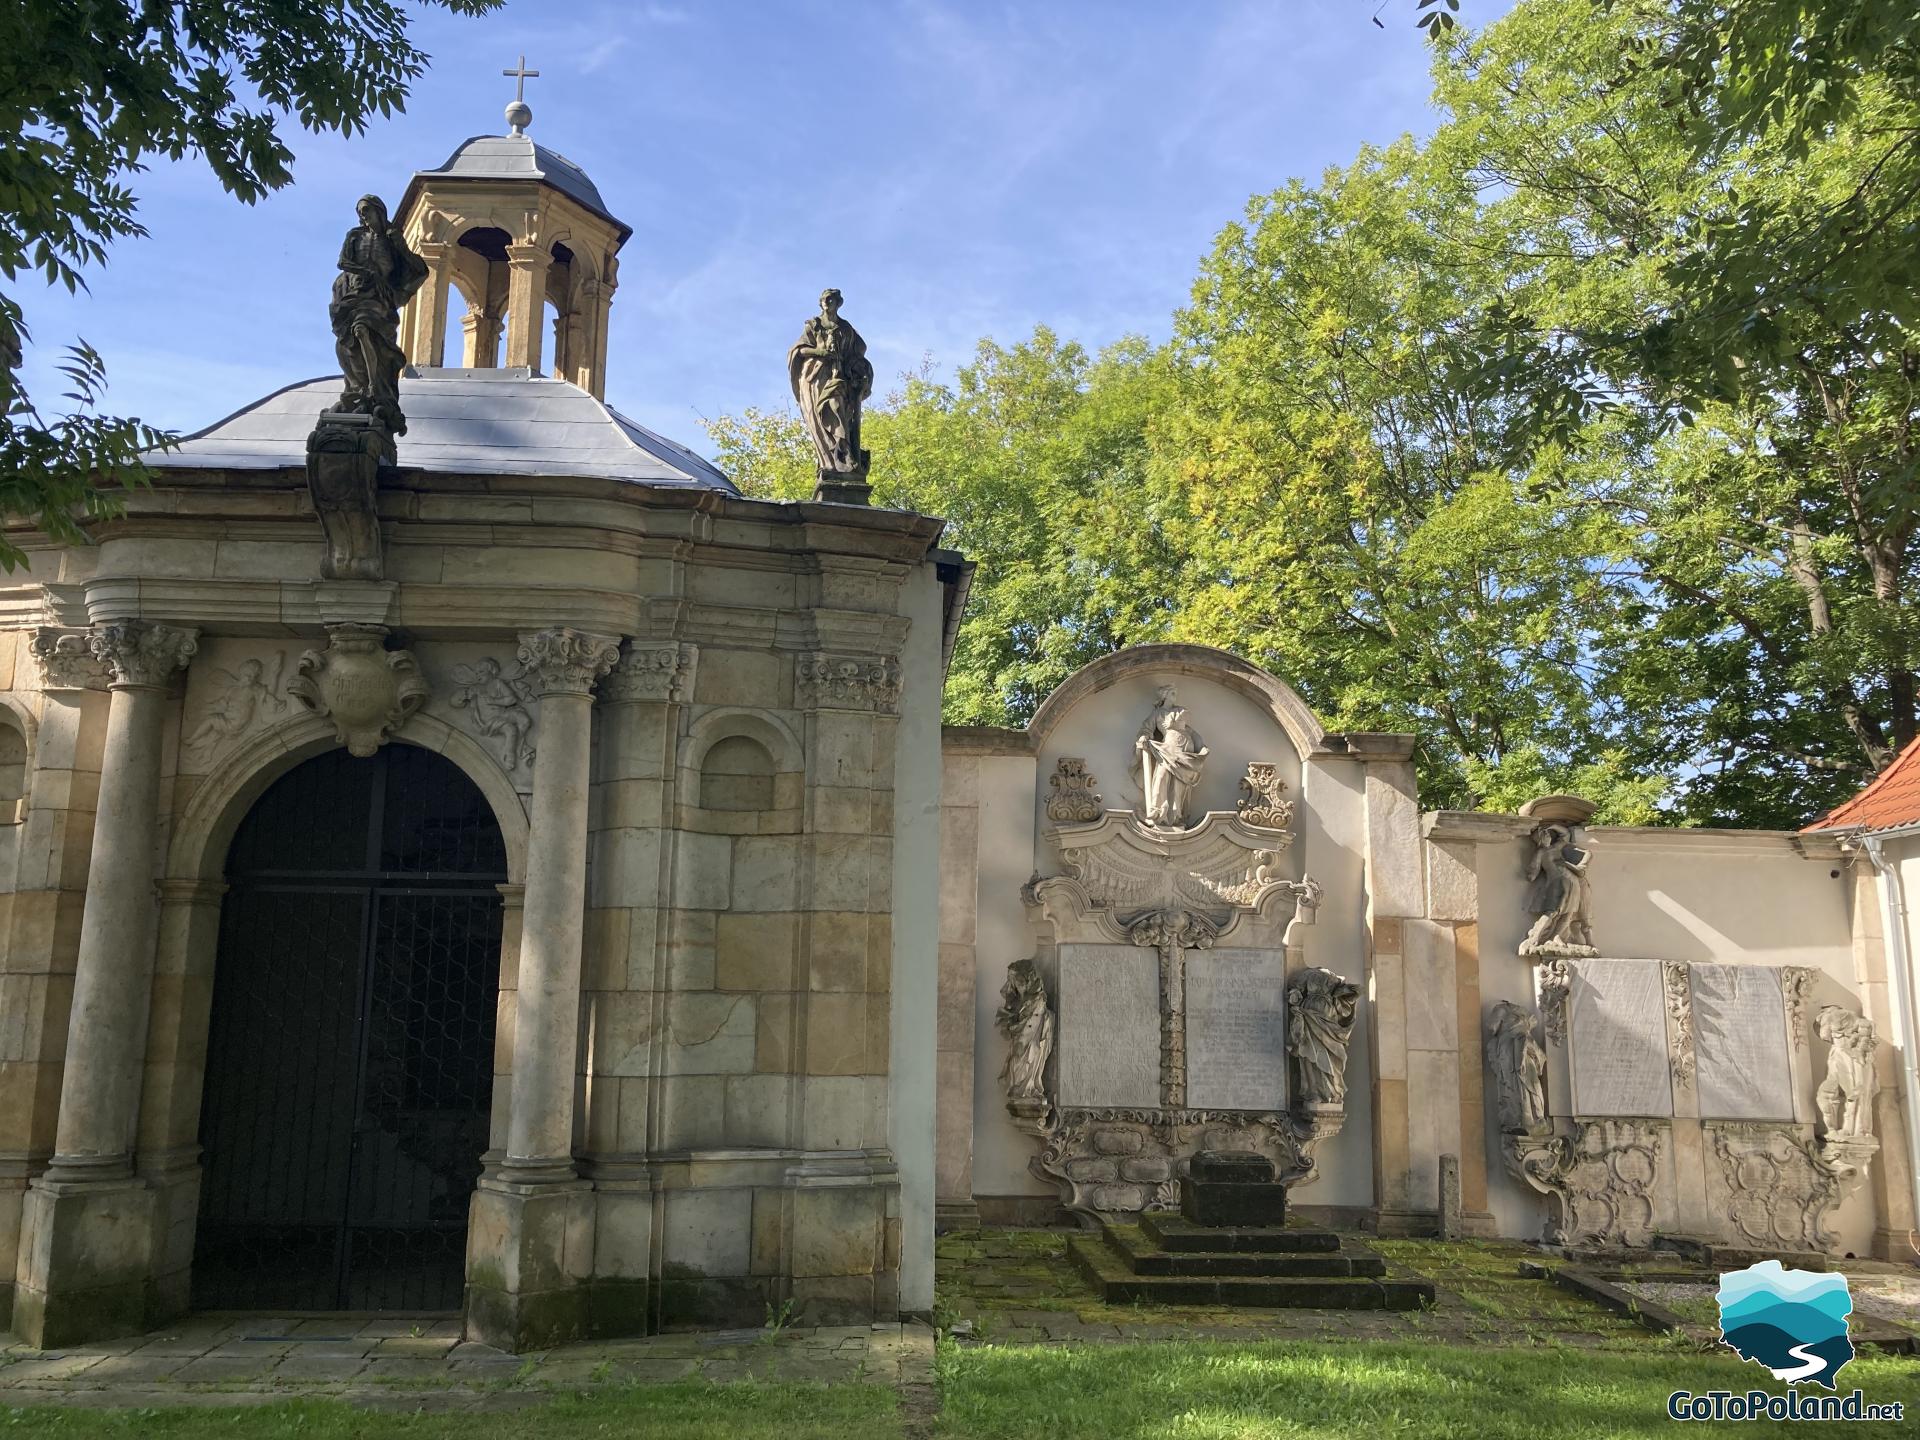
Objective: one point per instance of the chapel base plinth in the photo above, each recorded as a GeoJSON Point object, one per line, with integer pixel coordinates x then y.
{"type": "Point", "coordinates": [529, 1260]}
{"type": "Point", "coordinates": [84, 1272]}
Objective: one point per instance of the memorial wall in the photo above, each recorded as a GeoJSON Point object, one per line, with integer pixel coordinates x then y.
{"type": "Point", "coordinates": [1178, 912]}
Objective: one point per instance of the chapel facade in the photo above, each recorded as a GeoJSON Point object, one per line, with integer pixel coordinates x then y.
{"type": "Point", "coordinates": [507, 887]}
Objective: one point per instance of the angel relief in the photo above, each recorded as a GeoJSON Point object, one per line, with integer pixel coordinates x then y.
{"type": "Point", "coordinates": [247, 691]}
{"type": "Point", "coordinates": [498, 703]}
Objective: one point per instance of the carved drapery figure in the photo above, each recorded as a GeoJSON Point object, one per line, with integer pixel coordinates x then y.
{"type": "Point", "coordinates": [1320, 1011]}
{"type": "Point", "coordinates": [378, 275]}
{"type": "Point", "coordinates": [249, 689]}
{"type": "Point", "coordinates": [498, 702]}
{"type": "Point", "coordinates": [1559, 894]}
{"type": "Point", "coordinates": [1845, 1097]}
{"type": "Point", "coordinates": [1168, 753]}
{"type": "Point", "coordinates": [1519, 1069]}
{"type": "Point", "coordinates": [832, 378]}
{"type": "Point", "coordinates": [1026, 1021]}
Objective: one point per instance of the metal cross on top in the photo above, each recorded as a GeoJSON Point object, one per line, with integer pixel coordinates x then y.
{"type": "Point", "coordinates": [520, 76]}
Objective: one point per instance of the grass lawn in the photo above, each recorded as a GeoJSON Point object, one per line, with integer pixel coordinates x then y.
{"type": "Point", "coordinates": [1227, 1390]}
{"type": "Point", "coordinates": [686, 1411]}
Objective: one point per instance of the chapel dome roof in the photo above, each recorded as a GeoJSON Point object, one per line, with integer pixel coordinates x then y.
{"type": "Point", "coordinates": [468, 422]}
{"type": "Point", "coordinates": [515, 157]}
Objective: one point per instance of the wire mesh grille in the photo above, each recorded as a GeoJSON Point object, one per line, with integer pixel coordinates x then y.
{"type": "Point", "coordinates": [350, 1054]}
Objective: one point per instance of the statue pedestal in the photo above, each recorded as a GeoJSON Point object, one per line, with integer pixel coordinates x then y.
{"type": "Point", "coordinates": [1233, 1189]}
{"type": "Point", "coordinates": [344, 453]}
{"type": "Point", "coordinates": [836, 489]}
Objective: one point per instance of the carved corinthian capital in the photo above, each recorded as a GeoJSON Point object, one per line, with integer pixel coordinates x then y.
{"type": "Point", "coordinates": [139, 655]}
{"type": "Point", "coordinates": [847, 682]}
{"type": "Point", "coordinates": [652, 672]}
{"type": "Point", "coordinates": [67, 661]}
{"type": "Point", "coordinates": [563, 661]}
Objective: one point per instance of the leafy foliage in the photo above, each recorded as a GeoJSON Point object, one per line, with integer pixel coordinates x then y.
{"type": "Point", "coordinates": [90, 91]}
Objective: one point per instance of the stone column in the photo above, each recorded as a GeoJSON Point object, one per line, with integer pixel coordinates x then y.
{"type": "Point", "coordinates": [427, 337]}
{"type": "Point", "coordinates": [526, 303]}
{"type": "Point", "coordinates": [482, 347]}
{"type": "Point", "coordinates": [83, 1270]}
{"type": "Point", "coordinates": [530, 1245]}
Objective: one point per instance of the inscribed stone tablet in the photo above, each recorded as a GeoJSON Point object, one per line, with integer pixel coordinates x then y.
{"type": "Point", "coordinates": [1236, 1030]}
{"type": "Point", "coordinates": [1617, 1039]}
{"type": "Point", "coordinates": [1109, 1026]}
{"type": "Point", "coordinates": [1740, 1043]}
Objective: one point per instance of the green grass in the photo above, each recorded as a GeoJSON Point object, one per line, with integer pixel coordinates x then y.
{"type": "Point", "coordinates": [1234, 1391]}
{"type": "Point", "coordinates": [683, 1411]}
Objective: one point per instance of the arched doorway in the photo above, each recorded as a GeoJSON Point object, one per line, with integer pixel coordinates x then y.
{"type": "Point", "coordinates": [350, 1051]}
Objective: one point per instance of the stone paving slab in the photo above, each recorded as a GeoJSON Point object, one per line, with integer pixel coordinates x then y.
{"type": "Point", "coordinates": [416, 1363]}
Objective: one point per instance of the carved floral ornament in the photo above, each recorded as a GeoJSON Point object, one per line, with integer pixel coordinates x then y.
{"type": "Point", "coordinates": [1680, 1013]}
{"type": "Point", "coordinates": [656, 673]}
{"type": "Point", "coordinates": [366, 690]}
{"type": "Point", "coordinates": [67, 661]}
{"type": "Point", "coordinates": [564, 661]}
{"type": "Point", "coordinates": [823, 681]}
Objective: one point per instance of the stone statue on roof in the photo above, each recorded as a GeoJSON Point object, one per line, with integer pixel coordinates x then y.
{"type": "Point", "coordinates": [832, 378]}
{"type": "Point", "coordinates": [378, 275]}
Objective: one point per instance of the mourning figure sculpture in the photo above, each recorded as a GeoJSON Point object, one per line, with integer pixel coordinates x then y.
{"type": "Point", "coordinates": [1519, 1065]}
{"type": "Point", "coordinates": [1320, 1012]}
{"type": "Point", "coordinates": [1560, 895]}
{"type": "Point", "coordinates": [1845, 1097]}
{"type": "Point", "coordinates": [1026, 1020]}
{"type": "Point", "coordinates": [1168, 754]}
{"type": "Point", "coordinates": [832, 378]}
{"type": "Point", "coordinates": [378, 275]}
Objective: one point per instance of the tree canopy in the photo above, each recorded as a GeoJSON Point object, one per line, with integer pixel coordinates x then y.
{"type": "Point", "coordinates": [1577, 439]}
{"type": "Point", "coordinates": [90, 92]}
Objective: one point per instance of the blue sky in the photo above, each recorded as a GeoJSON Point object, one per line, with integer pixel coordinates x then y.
{"type": "Point", "coordinates": [958, 168]}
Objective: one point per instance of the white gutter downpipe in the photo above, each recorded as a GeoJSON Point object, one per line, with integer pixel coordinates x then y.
{"type": "Point", "coordinates": [1900, 990]}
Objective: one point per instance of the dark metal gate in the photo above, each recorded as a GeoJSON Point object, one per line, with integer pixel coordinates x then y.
{"type": "Point", "coordinates": [350, 1056]}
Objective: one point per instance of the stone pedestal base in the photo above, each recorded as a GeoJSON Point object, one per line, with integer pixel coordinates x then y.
{"type": "Point", "coordinates": [529, 1257]}
{"type": "Point", "coordinates": [86, 1251]}
{"type": "Point", "coordinates": [1227, 1188]}
{"type": "Point", "coordinates": [344, 454]}
{"type": "Point", "coordinates": [1384, 1221]}
{"type": "Point", "coordinates": [843, 491]}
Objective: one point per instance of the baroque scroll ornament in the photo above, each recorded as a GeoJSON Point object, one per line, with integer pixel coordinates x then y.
{"type": "Point", "coordinates": [368, 691]}
{"type": "Point", "coordinates": [1071, 798]}
{"type": "Point", "coordinates": [1262, 797]}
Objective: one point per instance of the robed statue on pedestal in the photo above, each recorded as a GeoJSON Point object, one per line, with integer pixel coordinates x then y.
{"type": "Point", "coordinates": [378, 275]}
{"type": "Point", "coordinates": [832, 378]}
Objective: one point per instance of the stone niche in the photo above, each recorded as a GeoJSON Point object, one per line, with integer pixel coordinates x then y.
{"type": "Point", "coordinates": [1651, 1097]}
{"type": "Point", "coordinates": [1167, 1008]}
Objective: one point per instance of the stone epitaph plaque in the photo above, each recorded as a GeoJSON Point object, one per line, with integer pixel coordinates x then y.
{"type": "Point", "coordinates": [1236, 1030]}
{"type": "Point", "coordinates": [1740, 1043]}
{"type": "Point", "coordinates": [1109, 1020]}
{"type": "Point", "coordinates": [1617, 1039]}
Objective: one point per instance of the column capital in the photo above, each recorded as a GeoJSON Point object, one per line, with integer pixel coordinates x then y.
{"type": "Point", "coordinates": [67, 661]}
{"type": "Point", "coordinates": [564, 661]}
{"type": "Point", "coordinates": [529, 257]}
{"type": "Point", "coordinates": [141, 655]}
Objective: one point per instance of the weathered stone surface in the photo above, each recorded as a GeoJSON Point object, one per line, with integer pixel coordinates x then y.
{"type": "Point", "coordinates": [1109, 1035]}
{"type": "Point", "coordinates": [1236, 1029]}
{"type": "Point", "coordinates": [1618, 1039]}
{"type": "Point", "coordinates": [1740, 1043]}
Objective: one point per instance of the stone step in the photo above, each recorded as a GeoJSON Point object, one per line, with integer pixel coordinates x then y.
{"type": "Point", "coordinates": [1139, 1254]}
{"type": "Point", "coordinates": [1108, 1274]}
{"type": "Point", "coordinates": [1172, 1231]}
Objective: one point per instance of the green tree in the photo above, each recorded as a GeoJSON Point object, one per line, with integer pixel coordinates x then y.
{"type": "Point", "coordinates": [90, 91]}
{"type": "Point", "coordinates": [1766, 507]}
{"type": "Point", "coordinates": [1035, 456]}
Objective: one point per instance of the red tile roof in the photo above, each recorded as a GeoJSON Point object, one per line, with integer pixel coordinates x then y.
{"type": "Point", "coordinates": [1891, 798]}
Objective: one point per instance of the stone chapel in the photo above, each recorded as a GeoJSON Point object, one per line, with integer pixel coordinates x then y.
{"type": "Point", "coordinates": [532, 915]}
{"type": "Point", "coordinates": [495, 867]}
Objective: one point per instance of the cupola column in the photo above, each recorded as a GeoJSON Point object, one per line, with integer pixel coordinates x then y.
{"type": "Point", "coordinates": [427, 333]}
{"type": "Point", "coordinates": [526, 303]}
